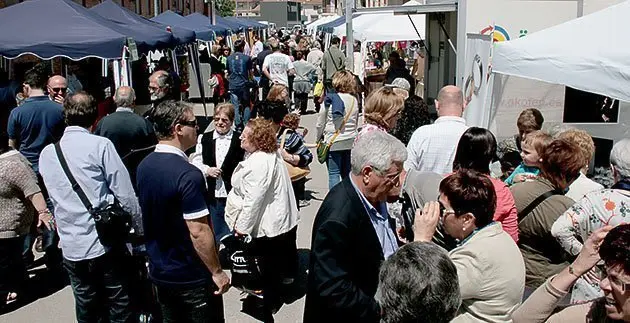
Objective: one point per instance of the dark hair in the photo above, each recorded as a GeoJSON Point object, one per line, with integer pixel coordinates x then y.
{"type": "Point", "coordinates": [4, 142]}
{"type": "Point", "coordinates": [166, 115]}
{"type": "Point", "coordinates": [418, 284]}
{"type": "Point", "coordinates": [529, 120]}
{"type": "Point", "coordinates": [469, 191]}
{"type": "Point", "coordinates": [335, 40]}
{"type": "Point", "coordinates": [37, 76]}
{"type": "Point", "coordinates": [476, 149]}
{"type": "Point", "coordinates": [394, 55]}
{"type": "Point", "coordinates": [79, 109]}
{"type": "Point", "coordinates": [273, 111]}
{"type": "Point", "coordinates": [239, 45]}
{"type": "Point", "coordinates": [614, 249]}
{"type": "Point", "coordinates": [299, 55]}
{"type": "Point", "coordinates": [562, 161]}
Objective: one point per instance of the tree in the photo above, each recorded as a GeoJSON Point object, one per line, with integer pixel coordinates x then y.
{"type": "Point", "coordinates": [225, 8]}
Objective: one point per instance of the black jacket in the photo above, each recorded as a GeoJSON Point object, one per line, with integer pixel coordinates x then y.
{"type": "Point", "coordinates": [345, 259]}
{"type": "Point", "coordinates": [234, 156]}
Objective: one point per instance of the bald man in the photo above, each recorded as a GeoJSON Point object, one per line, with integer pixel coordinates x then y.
{"type": "Point", "coordinates": [127, 130]}
{"type": "Point", "coordinates": [57, 88]}
{"type": "Point", "coordinates": [432, 147]}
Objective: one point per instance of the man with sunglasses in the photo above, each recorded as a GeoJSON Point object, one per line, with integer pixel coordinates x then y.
{"type": "Point", "coordinates": [57, 88]}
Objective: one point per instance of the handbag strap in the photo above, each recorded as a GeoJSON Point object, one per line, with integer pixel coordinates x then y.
{"type": "Point", "coordinates": [527, 210]}
{"type": "Point", "coordinates": [75, 186]}
{"type": "Point", "coordinates": [284, 138]}
{"type": "Point", "coordinates": [343, 124]}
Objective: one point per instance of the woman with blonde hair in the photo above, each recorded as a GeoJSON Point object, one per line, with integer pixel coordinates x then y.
{"type": "Point", "coordinates": [382, 110]}
{"type": "Point", "coordinates": [337, 125]}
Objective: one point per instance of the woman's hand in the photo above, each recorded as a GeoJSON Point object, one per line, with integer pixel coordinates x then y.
{"type": "Point", "coordinates": [589, 256]}
{"type": "Point", "coordinates": [213, 172]}
{"type": "Point", "coordinates": [524, 177]}
{"type": "Point", "coordinates": [46, 219]}
{"type": "Point", "coordinates": [426, 221]}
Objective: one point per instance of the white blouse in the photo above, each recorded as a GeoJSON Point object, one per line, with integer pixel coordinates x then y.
{"type": "Point", "coordinates": [222, 146]}
{"type": "Point", "coordinates": [261, 202]}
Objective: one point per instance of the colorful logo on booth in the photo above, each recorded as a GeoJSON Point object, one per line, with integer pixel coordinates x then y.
{"type": "Point", "coordinates": [499, 33]}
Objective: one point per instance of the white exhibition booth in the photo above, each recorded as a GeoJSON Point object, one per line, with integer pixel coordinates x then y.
{"type": "Point", "coordinates": [549, 70]}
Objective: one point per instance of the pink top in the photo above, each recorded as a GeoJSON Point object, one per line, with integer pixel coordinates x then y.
{"type": "Point", "coordinates": [506, 209]}
{"type": "Point", "coordinates": [368, 127]}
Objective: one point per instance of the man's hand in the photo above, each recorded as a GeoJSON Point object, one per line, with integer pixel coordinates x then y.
{"type": "Point", "coordinates": [426, 221]}
{"type": "Point", "coordinates": [59, 99]}
{"type": "Point", "coordinates": [222, 281]}
{"type": "Point", "coordinates": [213, 172]}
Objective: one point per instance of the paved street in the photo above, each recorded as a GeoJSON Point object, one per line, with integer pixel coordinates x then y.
{"type": "Point", "coordinates": [59, 307]}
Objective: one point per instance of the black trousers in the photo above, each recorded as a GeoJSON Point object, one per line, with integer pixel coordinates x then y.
{"type": "Point", "coordinates": [278, 256]}
{"type": "Point", "coordinates": [12, 269]}
{"type": "Point", "coordinates": [301, 102]}
{"type": "Point", "coordinates": [190, 305]}
{"type": "Point", "coordinates": [101, 287]}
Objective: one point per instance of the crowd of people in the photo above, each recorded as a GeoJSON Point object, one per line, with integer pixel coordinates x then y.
{"type": "Point", "coordinates": [415, 227]}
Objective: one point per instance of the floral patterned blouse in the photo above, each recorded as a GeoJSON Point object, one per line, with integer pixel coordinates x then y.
{"type": "Point", "coordinates": [595, 210]}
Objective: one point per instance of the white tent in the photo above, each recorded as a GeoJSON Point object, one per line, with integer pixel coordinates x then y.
{"type": "Point", "coordinates": [590, 53]}
{"type": "Point", "coordinates": [385, 26]}
{"type": "Point", "coordinates": [311, 28]}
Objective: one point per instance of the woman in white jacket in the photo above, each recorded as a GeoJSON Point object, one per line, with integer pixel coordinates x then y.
{"type": "Point", "coordinates": [262, 205]}
{"type": "Point", "coordinates": [337, 125]}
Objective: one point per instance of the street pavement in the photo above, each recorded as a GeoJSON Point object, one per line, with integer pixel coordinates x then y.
{"type": "Point", "coordinates": [59, 307]}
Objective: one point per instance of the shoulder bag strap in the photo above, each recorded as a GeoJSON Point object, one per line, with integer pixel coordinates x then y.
{"type": "Point", "coordinates": [527, 210]}
{"type": "Point", "coordinates": [75, 186]}
{"type": "Point", "coordinates": [284, 138]}
{"type": "Point", "coordinates": [343, 124]}
{"type": "Point", "coordinates": [333, 61]}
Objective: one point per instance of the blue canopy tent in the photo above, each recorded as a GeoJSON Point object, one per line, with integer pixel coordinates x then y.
{"type": "Point", "coordinates": [127, 18]}
{"type": "Point", "coordinates": [52, 28]}
{"type": "Point", "coordinates": [202, 31]}
{"type": "Point", "coordinates": [220, 22]}
{"type": "Point", "coordinates": [247, 22]}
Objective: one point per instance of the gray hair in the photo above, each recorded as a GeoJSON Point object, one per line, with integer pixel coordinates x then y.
{"type": "Point", "coordinates": [125, 96]}
{"type": "Point", "coordinates": [377, 149]}
{"type": "Point", "coordinates": [418, 284]}
{"type": "Point", "coordinates": [620, 158]}
{"type": "Point", "coordinates": [163, 79]}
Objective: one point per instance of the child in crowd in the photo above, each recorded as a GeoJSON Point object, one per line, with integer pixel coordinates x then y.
{"type": "Point", "coordinates": [532, 147]}
{"type": "Point", "coordinates": [292, 121]}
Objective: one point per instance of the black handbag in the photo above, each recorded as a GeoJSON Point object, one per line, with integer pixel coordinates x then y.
{"type": "Point", "coordinates": [245, 265]}
{"type": "Point", "coordinates": [113, 223]}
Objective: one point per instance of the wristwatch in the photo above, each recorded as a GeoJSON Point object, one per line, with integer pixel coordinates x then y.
{"type": "Point", "coordinates": [572, 271]}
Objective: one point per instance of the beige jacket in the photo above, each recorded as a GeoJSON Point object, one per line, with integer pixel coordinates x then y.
{"type": "Point", "coordinates": [541, 306]}
{"type": "Point", "coordinates": [491, 276]}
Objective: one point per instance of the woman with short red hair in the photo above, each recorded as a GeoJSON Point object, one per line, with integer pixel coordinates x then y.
{"type": "Point", "coordinates": [540, 202]}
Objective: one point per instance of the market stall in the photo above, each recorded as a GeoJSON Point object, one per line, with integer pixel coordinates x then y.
{"type": "Point", "coordinates": [203, 31]}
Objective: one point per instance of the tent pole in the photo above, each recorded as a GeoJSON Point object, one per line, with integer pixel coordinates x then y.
{"type": "Point", "coordinates": [349, 35]}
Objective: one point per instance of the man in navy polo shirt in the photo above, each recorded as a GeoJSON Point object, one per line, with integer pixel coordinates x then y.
{"type": "Point", "coordinates": [240, 72]}
{"type": "Point", "coordinates": [32, 126]}
{"type": "Point", "coordinates": [183, 259]}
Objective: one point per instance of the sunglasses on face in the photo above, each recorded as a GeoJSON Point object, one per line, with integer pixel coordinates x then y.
{"type": "Point", "coordinates": [443, 210]}
{"type": "Point", "coordinates": [59, 89]}
{"type": "Point", "coordinates": [221, 119]}
{"type": "Point", "coordinates": [190, 123]}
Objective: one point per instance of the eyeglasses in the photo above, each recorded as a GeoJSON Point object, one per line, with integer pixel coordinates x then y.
{"type": "Point", "coordinates": [190, 123]}
{"type": "Point", "coordinates": [59, 89]}
{"type": "Point", "coordinates": [222, 119]}
{"type": "Point", "coordinates": [443, 210]}
{"type": "Point", "coordinates": [391, 178]}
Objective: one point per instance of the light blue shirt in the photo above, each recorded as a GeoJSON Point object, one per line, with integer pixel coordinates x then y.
{"type": "Point", "coordinates": [100, 172]}
{"type": "Point", "coordinates": [380, 221]}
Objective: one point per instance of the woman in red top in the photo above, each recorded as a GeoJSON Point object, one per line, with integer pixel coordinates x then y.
{"type": "Point", "coordinates": [477, 148]}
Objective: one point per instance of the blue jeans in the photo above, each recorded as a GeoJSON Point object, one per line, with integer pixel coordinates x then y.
{"type": "Point", "coordinates": [100, 287]}
{"type": "Point", "coordinates": [242, 113]}
{"type": "Point", "coordinates": [193, 305]}
{"type": "Point", "coordinates": [217, 217]}
{"type": "Point", "coordinates": [338, 166]}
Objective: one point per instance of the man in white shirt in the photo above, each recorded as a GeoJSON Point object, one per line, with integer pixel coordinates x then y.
{"type": "Point", "coordinates": [258, 46]}
{"type": "Point", "coordinates": [278, 66]}
{"type": "Point", "coordinates": [432, 147]}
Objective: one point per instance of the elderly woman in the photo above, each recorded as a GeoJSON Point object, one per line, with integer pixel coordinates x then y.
{"type": "Point", "coordinates": [21, 199]}
{"type": "Point", "coordinates": [475, 151]}
{"type": "Point", "coordinates": [540, 202]}
{"type": "Point", "coordinates": [337, 126]}
{"type": "Point", "coordinates": [382, 110]}
{"type": "Point", "coordinates": [595, 210]}
{"type": "Point", "coordinates": [489, 266]}
{"type": "Point", "coordinates": [608, 245]}
{"type": "Point", "coordinates": [217, 154]}
{"type": "Point", "coordinates": [262, 206]}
